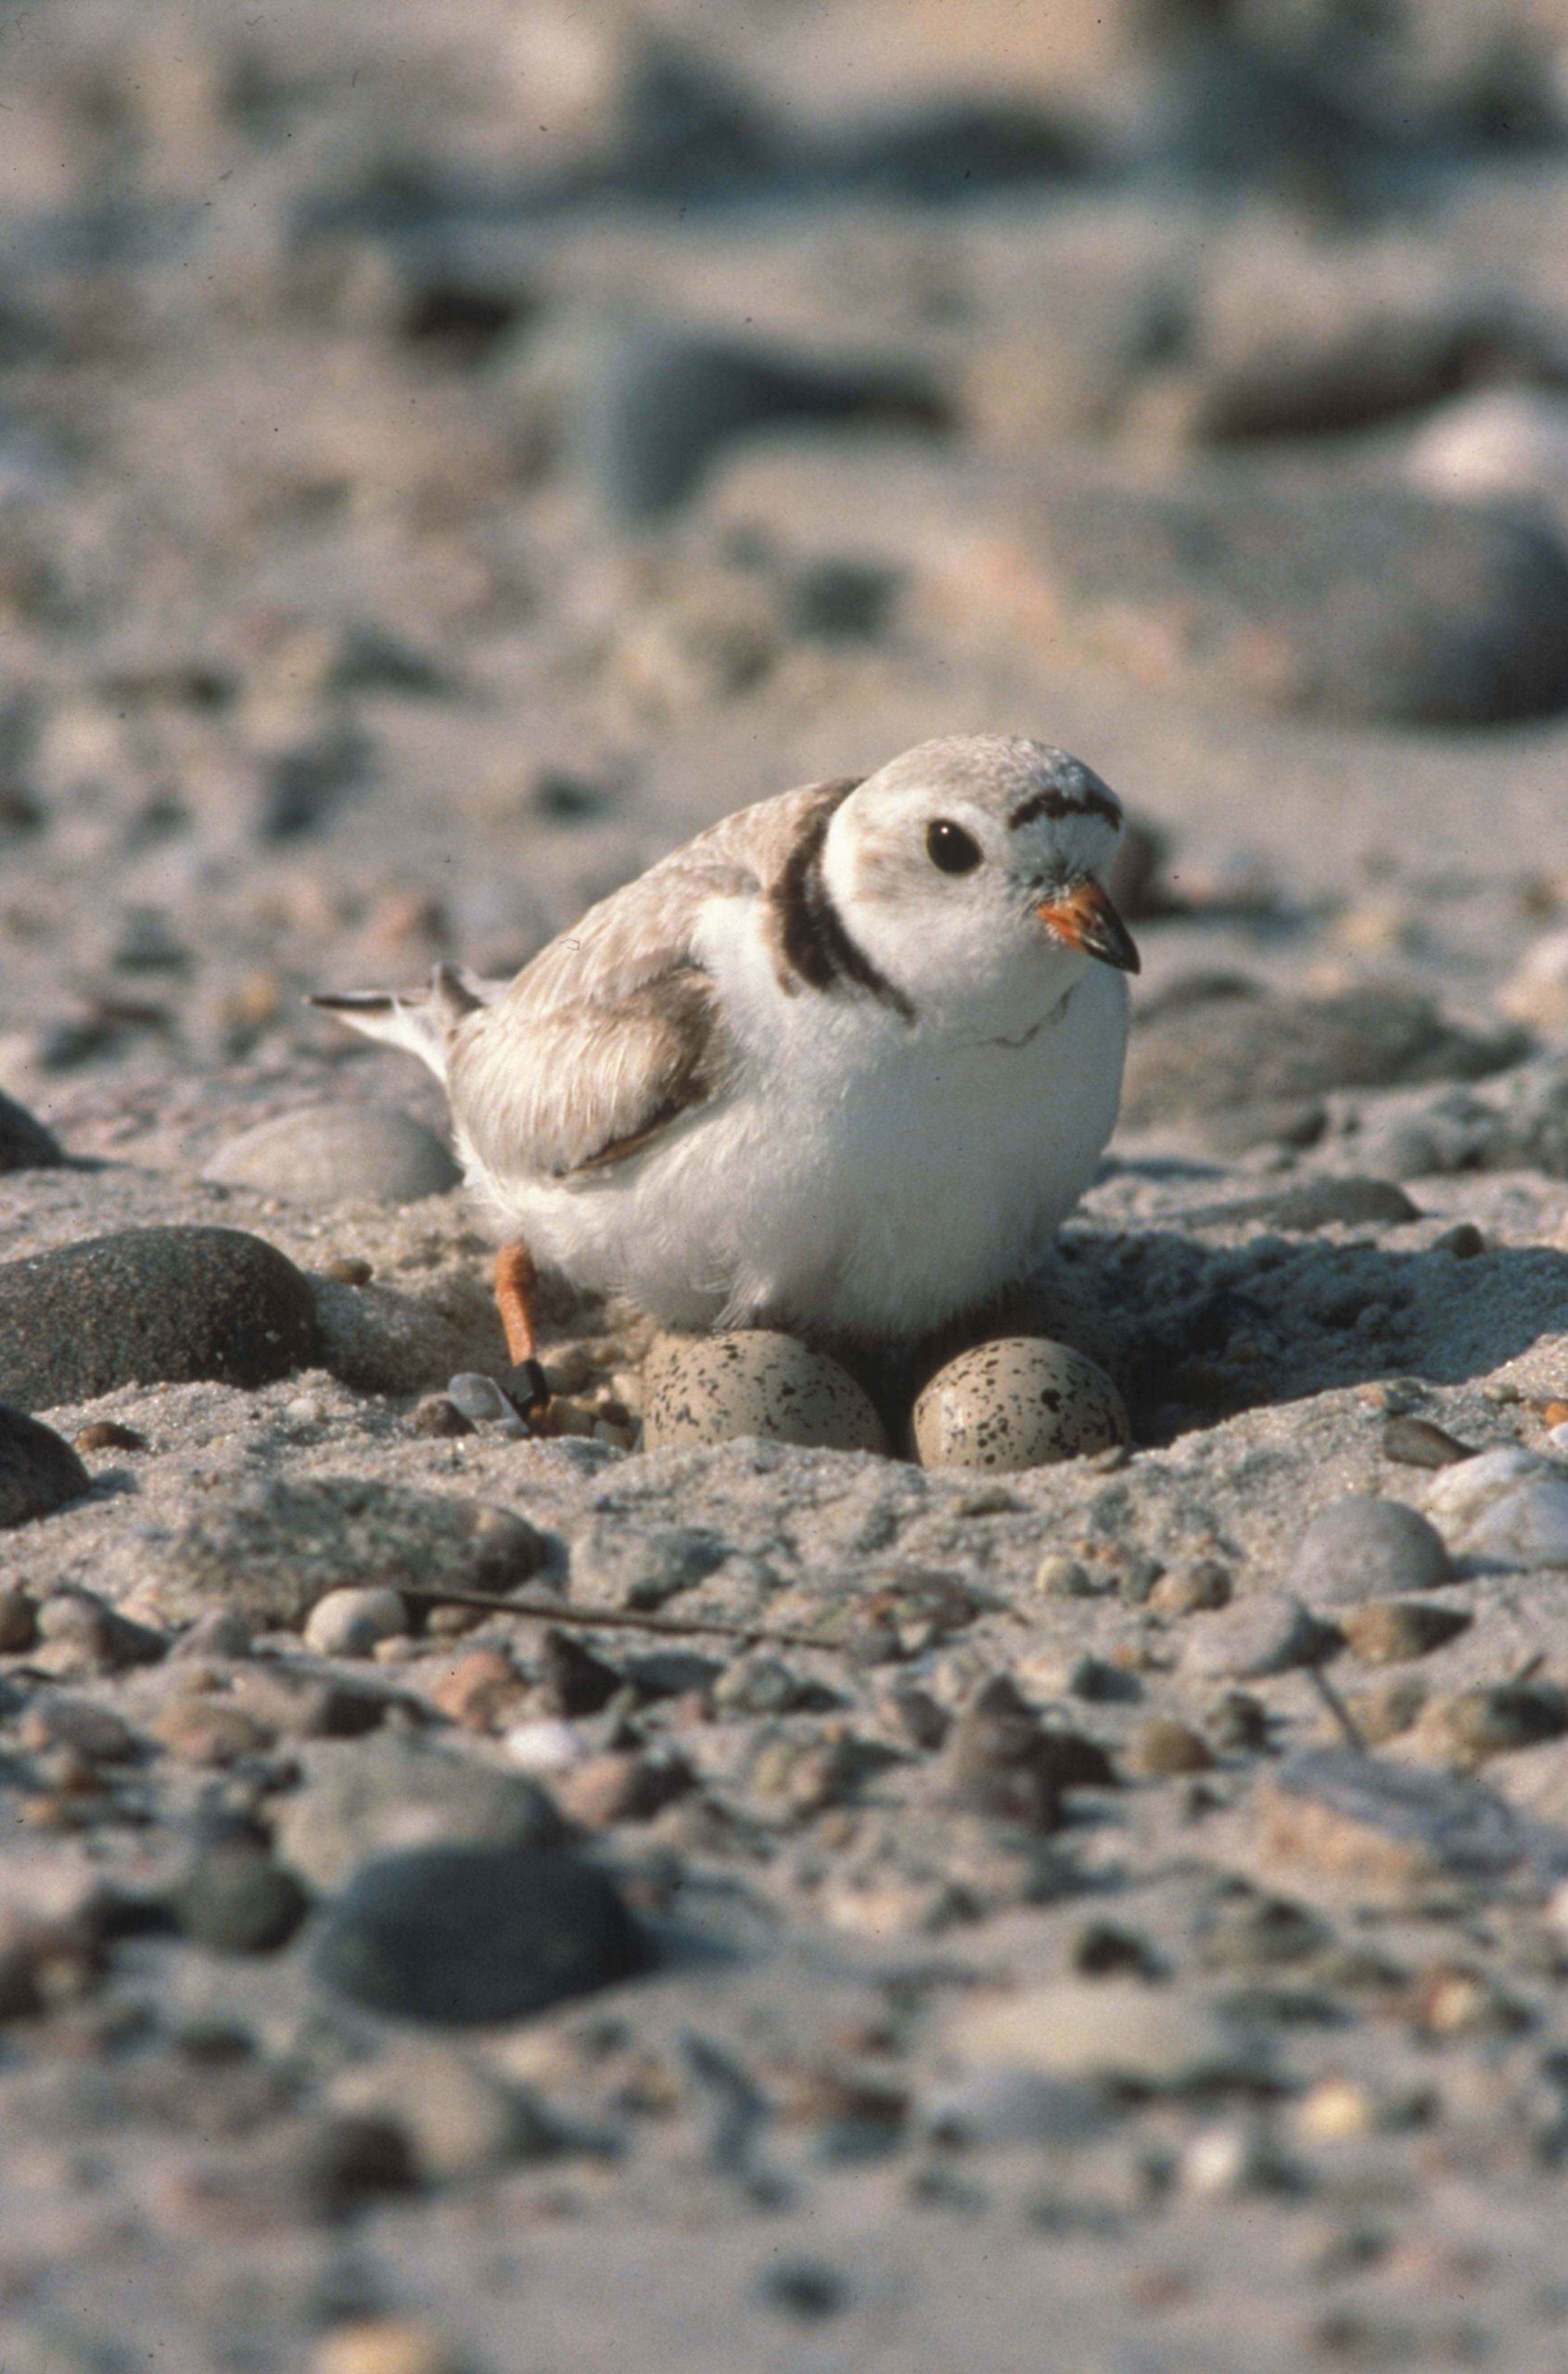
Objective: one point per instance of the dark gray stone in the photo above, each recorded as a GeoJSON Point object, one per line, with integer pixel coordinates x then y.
{"type": "Point", "coordinates": [39, 1472]}
{"type": "Point", "coordinates": [151, 1305]}
{"type": "Point", "coordinates": [273, 1550]}
{"type": "Point", "coordinates": [459, 1936]}
{"type": "Point", "coordinates": [236, 1899]}
{"type": "Point", "coordinates": [25, 1144]}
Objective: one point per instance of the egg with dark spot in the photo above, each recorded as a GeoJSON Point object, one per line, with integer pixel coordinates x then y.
{"type": "Point", "coordinates": [1018, 1401]}
{"type": "Point", "coordinates": [712, 1389]}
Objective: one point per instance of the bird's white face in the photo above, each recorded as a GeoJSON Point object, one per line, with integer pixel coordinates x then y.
{"type": "Point", "coordinates": [980, 885]}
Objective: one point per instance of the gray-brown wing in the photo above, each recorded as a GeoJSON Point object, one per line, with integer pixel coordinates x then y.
{"type": "Point", "coordinates": [614, 1030]}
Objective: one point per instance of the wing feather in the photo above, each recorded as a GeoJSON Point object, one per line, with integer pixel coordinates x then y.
{"type": "Point", "coordinates": [614, 1031]}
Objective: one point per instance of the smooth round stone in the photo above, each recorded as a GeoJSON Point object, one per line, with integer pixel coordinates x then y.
{"type": "Point", "coordinates": [713, 1388]}
{"type": "Point", "coordinates": [1360, 1549]}
{"type": "Point", "coordinates": [239, 1901]}
{"type": "Point", "coordinates": [39, 1472]}
{"type": "Point", "coordinates": [349, 1623]}
{"type": "Point", "coordinates": [1020, 1401]}
{"type": "Point", "coordinates": [459, 1936]}
{"type": "Point", "coordinates": [1527, 1527]}
{"type": "Point", "coordinates": [334, 1154]}
{"type": "Point", "coordinates": [151, 1305]}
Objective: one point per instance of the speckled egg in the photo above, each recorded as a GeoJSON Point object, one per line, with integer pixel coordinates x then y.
{"type": "Point", "coordinates": [1018, 1401]}
{"type": "Point", "coordinates": [711, 1388]}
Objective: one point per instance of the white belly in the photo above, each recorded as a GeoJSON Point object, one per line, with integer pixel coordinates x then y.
{"type": "Point", "coordinates": [869, 1180]}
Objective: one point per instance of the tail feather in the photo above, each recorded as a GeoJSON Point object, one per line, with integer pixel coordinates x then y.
{"type": "Point", "coordinates": [419, 1021]}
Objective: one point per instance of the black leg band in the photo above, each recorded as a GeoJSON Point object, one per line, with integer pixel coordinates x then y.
{"type": "Point", "coordinates": [526, 1389]}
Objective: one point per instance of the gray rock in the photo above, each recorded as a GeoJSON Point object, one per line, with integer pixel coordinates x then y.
{"type": "Point", "coordinates": [236, 1899]}
{"type": "Point", "coordinates": [273, 1550]}
{"type": "Point", "coordinates": [385, 1794]}
{"type": "Point", "coordinates": [482, 1402]}
{"type": "Point", "coordinates": [330, 1154]}
{"type": "Point", "coordinates": [1266, 1633]}
{"type": "Point", "coordinates": [1017, 1402]}
{"type": "Point", "coordinates": [1226, 1043]}
{"type": "Point", "coordinates": [1366, 602]}
{"type": "Point", "coordinates": [1341, 1203]}
{"type": "Point", "coordinates": [39, 1472]}
{"type": "Point", "coordinates": [1507, 1506]}
{"type": "Point", "coordinates": [1360, 1549]}
{"type": "Point", "coordinates": [627, 1566]}
{"type": "Point", "coordinates": [461, 1935]}
{"type": "Point", "coordinates": [25, 1144]}
{"type": "Point", "coordinates": [151, 1305]}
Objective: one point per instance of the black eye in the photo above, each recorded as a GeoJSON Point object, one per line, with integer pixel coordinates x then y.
{"type": "Point", "coordinates": [950, 848]}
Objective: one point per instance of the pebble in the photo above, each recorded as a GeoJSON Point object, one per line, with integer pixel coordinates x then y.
{"type": "Point", "coordinates": [622, 1785]}
{"type": "Point", "coordinates": [330, 1153]}
{"type": "Point", "coordinates": [81, 1633]}
{"type": "Point", "coordinates": [1340, 1203]}
{"type": "Point", "coordinates": [1360, 1547]}
{"type": "Point", "coordinates": [150, 1306]}
{"type": "Point", "coordinates": [482, 1401]}
{"type": "Point", "coordinates": [1059, 1576]}
{"type": "Point", "coordinates": [106, 1433]}
{"type": "Point", "coordinates": [1386, 1631]}
{"type": "Point", "coordinates": [236, 1899]}
{"type": "Point", "coordinates": [1002, 1760]}
{"type": "Point", "coordinates": [1192, 1590]}
{"type": "Point", "coordinates": [439, 1416]}
{"type": "Point", "coordinates": [39, 1471]}
{"type": "Point", "coordinates": [1526, 1526]}
{"type": "Point", "coordinates": [1387, 1828]}
{"type": "Point", "coordinates": [211, 1732]}
{"type": "Point", "coordinates": [1159, 2040]}
{"type": "Point", "coordinates": [1017, 1402]}
{"type": "Point", "coordinates": [479, 1691]}
{"type": "Point", "coordinates": [1416, 1442]}
{"type": "Point", "coordinates": [362, 1802]}
{"type": "Point", "coordinates": [349, 1623]}
{"type": "Point", "coordinates": [712, 1389]}
{"type": "Point", "coordinates": [1268, 1632]}
{"type": "Point", "coordinates": [25, 1144]}
{"type": "Point", "coordinates": [1500, 443]}
{"type": "Point", "coordinates": [1162, 1747]}
{"type": "Point", "coordinates": [1465, 1726]}
{"type": "Point", "coordinates": [457, 1936]}
{"type": "Point", "coordinates": [273, 1548]}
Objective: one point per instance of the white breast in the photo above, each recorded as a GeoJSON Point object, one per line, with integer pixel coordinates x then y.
{"type": "Point", "coordinates": [864, 1178]}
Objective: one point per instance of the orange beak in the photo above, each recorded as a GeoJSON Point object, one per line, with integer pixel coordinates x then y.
{"type": "Point", "coordinates": [1085, 918]}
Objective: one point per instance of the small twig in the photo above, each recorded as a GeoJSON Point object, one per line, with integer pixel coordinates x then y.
{"type": "Point", "coordinates": [1337, 1708]}
{"type": "Point", "coordinates": [550, 1611]}
{"type": "Point", "coordinates": [1527, 1671]}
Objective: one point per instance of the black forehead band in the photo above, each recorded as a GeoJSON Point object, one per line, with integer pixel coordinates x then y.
{"type": "Point", "coordinates": [1089, 801]}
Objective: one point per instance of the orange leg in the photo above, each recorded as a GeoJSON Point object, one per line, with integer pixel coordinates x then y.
{"type": "Point", "coordinates": [515, 1279]}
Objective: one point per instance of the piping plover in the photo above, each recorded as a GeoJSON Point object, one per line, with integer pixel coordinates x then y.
{"type": "Point", "coordinates": [840, 1066]}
